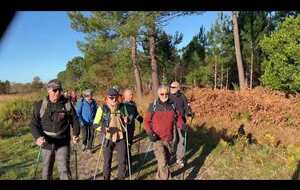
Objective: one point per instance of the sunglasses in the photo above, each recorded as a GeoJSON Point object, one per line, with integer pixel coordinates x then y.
{"type": "Point", "coordinates": [112, 97]}
{"type": "Point", "coordinates": [173, 86]}
{"type": "Point", "coordinates": [164, 94]}
{"type": "Point", "coordinates": [55, 90]}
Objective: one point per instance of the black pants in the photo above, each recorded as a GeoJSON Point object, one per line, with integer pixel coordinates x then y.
{"type": "Point", "coordinates": [121, 156]}
{"type": "Point", "coordinates": [88, 134]}
{"type": "Point", "coordinates": [130, 130]}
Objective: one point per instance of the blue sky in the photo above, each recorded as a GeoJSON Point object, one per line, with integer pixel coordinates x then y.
{"type": "Point", "coordinates": [40, 43]}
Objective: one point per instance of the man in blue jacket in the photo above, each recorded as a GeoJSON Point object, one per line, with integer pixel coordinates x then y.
{"type": "Point", "coordinates": [86, 110]}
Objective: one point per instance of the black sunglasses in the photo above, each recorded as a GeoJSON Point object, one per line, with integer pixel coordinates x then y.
{"type": "Point", "coordinates": [162, 94]}
{"type": "Point", "coordinates": [55, 90]}
{"type": "Point", "coordinates": [112, 97]}
{"type": "Point", "coordinates": [173, 86]}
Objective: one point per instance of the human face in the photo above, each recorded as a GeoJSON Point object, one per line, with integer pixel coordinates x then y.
{"type": "Point", "coordinates": [54, 94]}
{"type": "Point", "coordinates": [174, 89]}
{"type": "Point", "coordinates": [128, 96]}
{"type": "Point", "coordinates": [112, 100]}
{"type": "Point", "coordinates": [89, 98]}
{"type": "Point", "coordinates": [163, 95]}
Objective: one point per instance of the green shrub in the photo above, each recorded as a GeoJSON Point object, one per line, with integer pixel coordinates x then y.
{"type": "Point", "coordinates": [282, 64]}
{"type": "Point", "coordinates": [16, 111]}
{"type": "Point", "coordinates": [14, 117]}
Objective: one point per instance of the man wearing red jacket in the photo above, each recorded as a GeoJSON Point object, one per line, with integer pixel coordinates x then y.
{"type": "Point", "coordinates": [160, 119]}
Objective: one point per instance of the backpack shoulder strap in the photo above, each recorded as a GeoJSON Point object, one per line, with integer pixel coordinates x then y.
{"type": "Point", "coordinates": [154, 106]}
{"type": "Point", "coordinates": [43, 107]}
{"type": "Point", "coordinates": [174, 109]}
{"type": "Point", "coordinates": [68, 106]}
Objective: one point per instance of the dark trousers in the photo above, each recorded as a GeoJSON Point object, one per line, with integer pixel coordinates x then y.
{"type": "Point", "coordinates": [108, 149]}
{"type": "Point", "coordinates": [130, 130]}
{"type": "Point", "coordinates": [88, 134]}
{"type": "Point", "coordinates": [62, 158]}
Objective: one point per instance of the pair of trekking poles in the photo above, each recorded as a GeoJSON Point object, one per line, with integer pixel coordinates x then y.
{"type": "Point", "coordinates": [128, 155]}
{"type": "Point", "coordinates": [185, 149]}
{"type": "Point", "coordinates": [39, 156]}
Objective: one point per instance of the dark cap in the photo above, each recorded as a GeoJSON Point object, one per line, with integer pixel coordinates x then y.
{"type": "Point", "coordinates": [112, 92]}
{"type": "Point", "coordinates": [54, 84]}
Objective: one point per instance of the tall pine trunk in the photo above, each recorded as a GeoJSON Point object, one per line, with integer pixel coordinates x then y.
{"type": "Point", "coordinates": [251, 66]}
{"type": "Point", "coordinates": [137, 75]}
{"type": "Point", "coordinates": [238, 52]}
{"type": "Point", "coordinates": [215, 79]}
{"type": "Point", "coordinates": [155, 81]}
{"type": "Point", "coordinates": [221, 83]}
{"type": "Point", "coordinates": [252, 51]}
{"type": "Point", "coordinates": [227, 76]}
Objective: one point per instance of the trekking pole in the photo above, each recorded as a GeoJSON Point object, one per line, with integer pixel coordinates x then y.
{"type": "Point", "coordinates": [98, 159]}
{"type": "Point", "coordinates": [128, 156]}
{"type": "Point", "coordinates": [185, 144]}
{"type": "Point", "coordinates": [75, 147]}
{"type": "Point", "coordinates": [139, 140]}
{"type": "Point", "coordinates": [148, 149]}
{"type": "Point", "coordinates": [37, 162]}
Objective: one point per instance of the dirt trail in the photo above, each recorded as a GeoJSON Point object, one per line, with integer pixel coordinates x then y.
{"type": "Point", "coordinates": [87, 162]}
{"type": "Point", "coordinates": [271, 117]}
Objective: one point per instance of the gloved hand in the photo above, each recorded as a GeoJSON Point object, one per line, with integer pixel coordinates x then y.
{"type": "Point", "coordinates": [140, 119]}
{"type": "Point", "coordinates": [95, 126]}
{"type": "Point", "coordinates": [152, 136]}
{"type": "Point", "coordinates": [184, 127]}
{"type": "Point", "coordinates": [191, 114]}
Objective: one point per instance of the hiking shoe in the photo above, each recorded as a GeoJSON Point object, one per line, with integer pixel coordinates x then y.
{"type": "Point", "coordinates": [180, 163]}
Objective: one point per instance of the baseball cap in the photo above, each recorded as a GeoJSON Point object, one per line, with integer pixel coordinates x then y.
{"type": "Point", "coordinates": [112, 92]}
{"type": "Point", "coordinates": [54, 84]}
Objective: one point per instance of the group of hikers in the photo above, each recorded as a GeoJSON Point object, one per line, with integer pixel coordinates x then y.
{"type": "Point", "coordinates": [165, 123]}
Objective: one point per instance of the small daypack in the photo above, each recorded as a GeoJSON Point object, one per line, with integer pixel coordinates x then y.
{"type": "Point", "coordinates": [154, 110]}
{"type": "Point", "coordinates": [175, 137]}
{"type": "Point", "coordinates": [68, 107]}
{"type": "Point", "coordinates": [105, 118]}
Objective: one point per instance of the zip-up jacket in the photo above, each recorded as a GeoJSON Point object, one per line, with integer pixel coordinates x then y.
{"type": "Point", "coordinates": [56, 119]}
{"type": "Point", "coordinates": [86, 111]}
{"type": "Point", "coordinates": [180, 101]}
{"type": "Point", "coordinates": [130, 110]}
{"type": "Point", "coordinates": [163, 120]}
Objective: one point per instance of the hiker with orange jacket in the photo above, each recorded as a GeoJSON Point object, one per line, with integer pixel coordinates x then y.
{"type": "Point", "coordinates": [160, 119]}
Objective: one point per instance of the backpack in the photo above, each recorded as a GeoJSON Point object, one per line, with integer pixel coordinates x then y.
{"type": "Point", "coordinates": [68, 107]}
{"type": "Point", "coordinates": [154, 110]}
{"type": "Point", "coordinates": [175, 137]}
{"type": "Point", "coordinates": [105, 117]}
